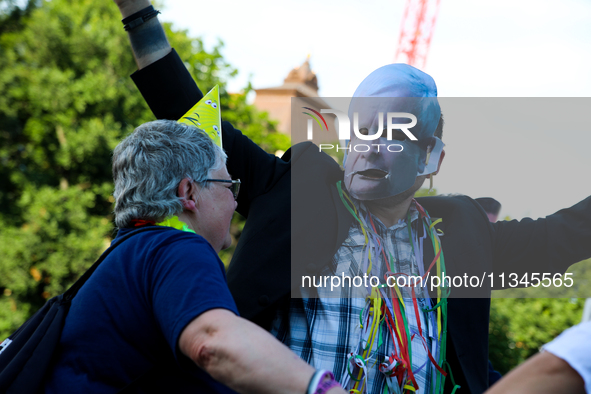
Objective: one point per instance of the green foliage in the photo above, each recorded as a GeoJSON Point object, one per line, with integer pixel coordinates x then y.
{"type": "Point", "coordinates": [66, 101]}
{"type": "Point", "coordinates": [580, 274]}
{"type": "Point", "coordinates": [522, 320]}
{"type": "Point", "coordinates": [520, 326]}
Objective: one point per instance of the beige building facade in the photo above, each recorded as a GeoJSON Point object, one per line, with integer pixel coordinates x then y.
{"type": "Point", "coordinates": [301, 82]}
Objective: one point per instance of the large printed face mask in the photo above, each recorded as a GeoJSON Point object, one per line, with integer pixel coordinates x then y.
{"type": "Point", "coordinates": [392, 107]}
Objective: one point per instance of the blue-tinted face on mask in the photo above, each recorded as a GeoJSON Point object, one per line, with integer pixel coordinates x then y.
{"type": "Point", "coordinates": [382, 166]}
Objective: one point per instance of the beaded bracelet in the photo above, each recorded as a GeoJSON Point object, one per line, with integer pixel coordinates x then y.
{"type": "Point", "coordinates": [321, 382]}
{"type": "Point", "coordinates": [326, 385]}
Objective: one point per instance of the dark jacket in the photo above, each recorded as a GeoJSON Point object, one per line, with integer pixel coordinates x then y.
{"type": "Point", "coordinates": [295, 215]}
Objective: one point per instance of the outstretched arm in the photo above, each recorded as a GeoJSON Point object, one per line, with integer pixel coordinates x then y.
{"type": "Point", "coordinates": [171, 94]}
{"type": "Point", "coordinates": [548, 245]}
{"type": "Point", "coordinates": [244, 356]}
{"type": "Point", "coordinates": [170, 91]}
{"type": "Point", "coordinates": [148, 41]}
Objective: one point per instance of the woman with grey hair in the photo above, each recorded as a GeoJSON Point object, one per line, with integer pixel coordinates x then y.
{"type": "Point", "coordinates": [157, 312]}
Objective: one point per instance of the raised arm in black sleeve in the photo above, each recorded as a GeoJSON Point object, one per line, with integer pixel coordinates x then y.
{"type": "Point", "coordinates": [259, 274]}
{"type": "Point", "coordinates": [167, 87]}
{"type": "Point", "coordinates": [170, 91]}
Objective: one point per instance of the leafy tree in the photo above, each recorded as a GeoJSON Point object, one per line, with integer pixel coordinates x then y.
{"type": "Point", "coordinates": [519, 327]}
{"type": "Point", "coordinates": [523, 320]}
{"type": "Point", "coordinates": [66, 101]}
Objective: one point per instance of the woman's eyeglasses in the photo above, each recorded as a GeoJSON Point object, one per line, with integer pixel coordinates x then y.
{"type": "Point", "coordinates": [235, 188]}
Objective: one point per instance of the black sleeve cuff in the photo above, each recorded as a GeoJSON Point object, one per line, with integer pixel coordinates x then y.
{"type": "Point", "coordinates": [167, 87]}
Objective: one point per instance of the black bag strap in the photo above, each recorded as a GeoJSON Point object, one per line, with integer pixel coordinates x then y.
{"type": "Point", "coordinates": [73, 290]}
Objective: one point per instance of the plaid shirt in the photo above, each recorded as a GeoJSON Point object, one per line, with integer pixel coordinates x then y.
{"type": "Point", "coordinates": [324, 330]}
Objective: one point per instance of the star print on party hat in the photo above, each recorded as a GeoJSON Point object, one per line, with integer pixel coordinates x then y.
{"type": "Point", "coordinates": [206, 115]}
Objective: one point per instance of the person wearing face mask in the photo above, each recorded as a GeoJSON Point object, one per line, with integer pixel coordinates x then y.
{"type": "Point", "coordinates": [306, 217]}
{"type": "Point", "coordinates": [491, 206]}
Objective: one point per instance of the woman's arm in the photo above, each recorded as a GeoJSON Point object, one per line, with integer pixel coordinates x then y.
{"type": "Point", "coordinates": [243, 356]}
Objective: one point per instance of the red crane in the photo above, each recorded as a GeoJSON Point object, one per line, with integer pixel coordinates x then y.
{"type": "Point", "coordinates": [416, 31]}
